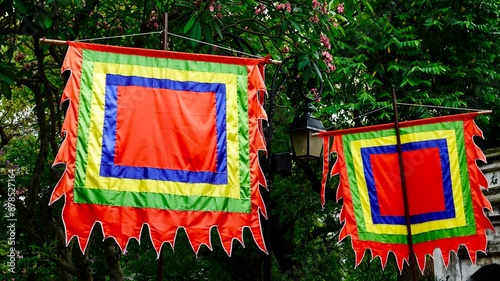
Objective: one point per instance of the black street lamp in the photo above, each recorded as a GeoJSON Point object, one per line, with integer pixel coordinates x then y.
{"type": "Point", "coordinates": [305, 146]}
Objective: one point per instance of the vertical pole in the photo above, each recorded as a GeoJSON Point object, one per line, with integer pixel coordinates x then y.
{"type": "Point", "coordinates": [159, 269]}
{"type": "Point", "coordinates": [165, 32]}
{"type": "Point", "coordinates": [403, 186]}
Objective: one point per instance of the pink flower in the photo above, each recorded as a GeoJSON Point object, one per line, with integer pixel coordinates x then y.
{"type": "Point", "coordinates": [285, 49]}
{"type": "Point", "coordinates": [314, 19]}
{"type": "Point", "coordinates": [327, 57]}
{"type": "Point", "coordinates": [284, 7]}
{"type": "Point", "coordinates": [324, 8]}
{"type": "Point", "coordinates": [211, 8]}
{"type": "Point", "coordinates": [315, 4]}
{"type": "Point", "coordinates": [325, 41]}
{"type": "Point", "coordinates": [260, 9]}
{"type": "Point", "coordinates": [219, 15]}
{"type": "Point", "coordinates": [340, 8]}
{"type": "Point", "coordinates": [331, 67]}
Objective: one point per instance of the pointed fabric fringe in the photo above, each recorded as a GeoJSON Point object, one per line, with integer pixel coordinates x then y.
{"type": "Point", "coordinates": [473, 243]}
{"type": "Point", "coordinates": [124, 223]}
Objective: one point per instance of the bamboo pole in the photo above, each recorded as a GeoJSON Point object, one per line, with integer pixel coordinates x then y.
{"type": "Point", "coordinates": [53, 42]}
{"type": "Point", "coordinates": [406, 202]}
{"type": "Point", "coordinates": [380, 127]}
{"type": "Point", "coordinates": [165, 32]}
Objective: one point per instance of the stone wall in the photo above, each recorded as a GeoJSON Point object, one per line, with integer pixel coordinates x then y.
{"type": "Point", "coordinates": [460, 267]}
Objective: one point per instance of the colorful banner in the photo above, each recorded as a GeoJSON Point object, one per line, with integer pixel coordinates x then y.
{"type": "Point", "coordinates": [443, 182]}
{"type": "Point", "coordinates": [161, 138]}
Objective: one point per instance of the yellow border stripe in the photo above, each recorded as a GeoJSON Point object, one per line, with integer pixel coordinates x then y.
{"type": "Point", "coordinates": [93, 180]}
{"type": "Point", "coordinates": [459, 219]}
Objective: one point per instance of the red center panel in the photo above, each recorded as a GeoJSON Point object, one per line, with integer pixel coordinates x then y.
{"type": "Point", "coordinates": [166, 129]}
{"type": "Point", "coordinates": [423, 174]}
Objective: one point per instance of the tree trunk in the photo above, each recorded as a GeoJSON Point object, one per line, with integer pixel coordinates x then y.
{"type": "Point", "coordinates": [113, 260]}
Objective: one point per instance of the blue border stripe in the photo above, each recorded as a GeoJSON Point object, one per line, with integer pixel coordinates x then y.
{"type": "Point", "coordinates": [108, 167]}
{"type": "Point", "coordinates": [441, 145]}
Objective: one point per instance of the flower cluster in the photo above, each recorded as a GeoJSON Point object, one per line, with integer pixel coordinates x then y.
{"type": "Point", "coordinates": [325, 41]}
{"type": "Point", "coordinates": [334, 22]}
{"type": "Point", "coordinates": [284, 7]}
{"type": "Point", "coordinates": [340, 8]}
{"type": "Point", "coordinates": [217, 8]}
{"type": "Point", "coordinates": [314, 19]}
{"type": "Point", "coordinates": [323, 8]}
{"type": "Point", "coordinates": [328, 59]}
{"type": "Point", "coordinates": [153, 21]}
{"type": "Point", "coordinates": [261, 9]}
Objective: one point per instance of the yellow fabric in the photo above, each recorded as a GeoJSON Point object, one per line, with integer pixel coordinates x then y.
{"type": "Point", "coordinates": [459, 219]}
{"type": "Point", "coordinates": [95, 139]}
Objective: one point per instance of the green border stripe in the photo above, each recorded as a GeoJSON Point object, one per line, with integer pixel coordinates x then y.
{"type": "Point", "coordinates": [176, 64]}
{"type": "Point", "coordinates": [161, 201]}
{"type": "Point", "coordinates": [244, 135]}
{"type": "Point", "coordinates": [84, 117]}
{"type": "Point", "coordinates": [421, 237]}
{"type": "Point", "coordinates": [468, 229]}
{"type": "Point", "coordinates": [85, 113]}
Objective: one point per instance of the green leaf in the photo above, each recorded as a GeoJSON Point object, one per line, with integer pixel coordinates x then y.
{"type": "Point", "coordinates": [365, 2]}
{"type": "Point", "coordinates": [6, 79]}
{"type": "Point", "coordinates": [303, 62]}
{"type": "Point", "coordinates": [207, 34]}
{"type": "Point", "coordinates": [19, 4]}
{"type": "Point", "coordinates": [297, 27]}
{"type": "Point", "coordinates": [188, 25]}
{"type": "Point", "coordinates": [316, 69]}
{"type": "Point", "coordinates": [6, 90]}
{"type": "Point", "coordinates": [195, 32]}
{"type": "Point", "coordinates": [284, 25]}
{"type": "Point", "coordinates": [307, 73]}
{"type": "Point", "coordinates": [45, 21]}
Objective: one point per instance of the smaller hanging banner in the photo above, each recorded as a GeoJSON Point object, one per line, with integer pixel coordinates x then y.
{"type": "Point", "coordinates": [166, 139]}
{"type": "Point", "coordinates": [443, 186]}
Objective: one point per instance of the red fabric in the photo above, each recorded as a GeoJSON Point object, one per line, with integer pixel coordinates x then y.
{"type": "Point", "coordinates": [123, 223]}
{"type": "Point", "coordinates": [169, 54]}
{"type": "Point", "coordinates": [449, 118]}
{"type": "Point", "coordinates": [420, 183]}
{"type": "Point", "coordinates": [152, 121]}
{"type": "Point", "coordinates": [427, 176]}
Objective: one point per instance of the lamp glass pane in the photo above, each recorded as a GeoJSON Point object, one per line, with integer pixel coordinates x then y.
{"type": "Point", "coordinates": [315, 145]}
{"type": "Point", "coordinates": [299, 143]}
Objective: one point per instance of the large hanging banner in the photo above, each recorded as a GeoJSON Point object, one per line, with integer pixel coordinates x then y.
{"type": "Point", "coordinates": [443, 187]}
{"type": "Point", "coordinates": [166, 139]}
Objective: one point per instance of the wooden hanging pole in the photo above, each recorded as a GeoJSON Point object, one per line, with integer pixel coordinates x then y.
{"type": "Point", "coordinates": [159, 262]}
{"type": "Point", "coordinates": [53, 41]}
{"type": "Point", "coordinates": [165, 32]}
{"type": "Point", "coordinates": [412, 257]}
